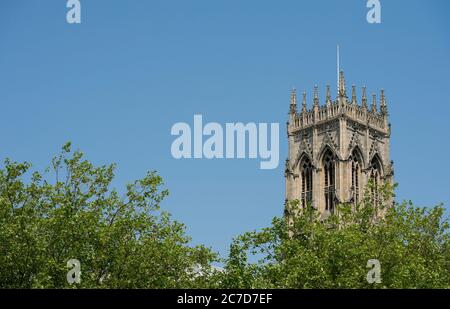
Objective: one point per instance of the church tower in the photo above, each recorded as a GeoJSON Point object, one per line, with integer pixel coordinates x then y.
{"type": "Point", "coordinates": [335, 148]}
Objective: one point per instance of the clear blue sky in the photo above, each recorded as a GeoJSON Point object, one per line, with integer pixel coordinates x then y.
{"type": "Point", "coordinates": [115, 85]}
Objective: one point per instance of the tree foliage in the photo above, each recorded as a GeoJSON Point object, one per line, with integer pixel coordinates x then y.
{"type": "Point", "coordinates": [124, 240]}
{"type": "Point", "coordinates": [412, 245]}
{"type": "Point", "coordinates": [71, 212]}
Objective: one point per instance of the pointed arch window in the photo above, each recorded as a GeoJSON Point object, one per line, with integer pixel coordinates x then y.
{"type": "Point", "coordinates": [356, 163]}
{"type": "Point", "coordinates": [306, 182]}
{"type": "Point", "coordinates": [329, 167]}
{"type": "Point", "coordinates": [375, 177]}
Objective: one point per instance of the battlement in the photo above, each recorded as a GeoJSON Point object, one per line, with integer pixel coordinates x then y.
{"type": "Point", "coordinates": [375, 116]}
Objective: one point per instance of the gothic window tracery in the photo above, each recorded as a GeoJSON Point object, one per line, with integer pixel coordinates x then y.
{"type": "Point", "coordinates": [306, 182]}
{"type": "Point", "coordinates": [375, 178]}
{"type": "Point", "coordinates": [356, 164]}
{"type": "Point", "coordinates": [329, 167]}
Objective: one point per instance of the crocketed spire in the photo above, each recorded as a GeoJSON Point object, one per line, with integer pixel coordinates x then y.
{"type": "Point", "coordinates": [374, 103]}
{"type": "Point", "coordinates": [342, 91]}
{"type": "Point", "coordinates": [354, 95]}
{"type": "Point", "coordinates": [364, 97]}
{"type": "Point", "coordinates": [304, 103]}
{"type": "Point", "coordinates": [316, 96]}
{"type": "Point", "coordinates": [293, 105]}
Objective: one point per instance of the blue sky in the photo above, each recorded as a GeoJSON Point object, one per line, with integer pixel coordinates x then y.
{"type": "Point", "coordinates": [115, 84]}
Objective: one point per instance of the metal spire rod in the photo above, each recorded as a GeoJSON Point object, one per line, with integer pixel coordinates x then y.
{"type": "Point", "coordinates": [337, 80]}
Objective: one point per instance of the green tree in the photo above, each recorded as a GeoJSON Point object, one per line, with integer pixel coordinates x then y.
{"type": "Point", "coordinates": [125, 241]}
{"type": "Point", "coordinates": [71, 212]}
{"type": "Point", "coordinates": [412, 245]}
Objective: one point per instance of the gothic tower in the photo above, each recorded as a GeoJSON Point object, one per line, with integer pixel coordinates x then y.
{"type": "Point", "coordinates": [336, 148]}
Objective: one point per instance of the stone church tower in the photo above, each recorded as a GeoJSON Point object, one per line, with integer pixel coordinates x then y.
{"type": "Point", "coordinates": [335, 148]}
